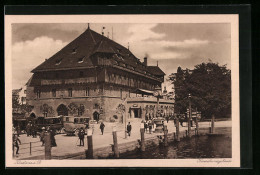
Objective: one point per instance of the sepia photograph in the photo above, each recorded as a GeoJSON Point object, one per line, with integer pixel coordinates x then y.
{"type": "Point", "coordinates": [122, 90]}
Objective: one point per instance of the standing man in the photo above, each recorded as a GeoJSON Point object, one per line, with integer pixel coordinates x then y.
{"type": "Point", "coordinates": [150, 126]}
{"type": "Point", "coordinates": [81, 135]}
{"type": "Point", "coordinates": [42, 135]}
{"type": "Point", "coordinates": [145, 126]}
{"type": "Point", "coordinates": [28, 129]}
{"type": "Point", "coordinates": [53, 141]}
{"type": "Point", "coordinates": [167, 118]}
{"type": "Point", "coordinates": [15, 143]}
{"type": "Point", "coordinates": [129, 128]}
{"type": "Point", "coordinates": [102, 126]}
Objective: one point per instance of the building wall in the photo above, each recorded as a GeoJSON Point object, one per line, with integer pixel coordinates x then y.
{"type": "Point", "coordinates": [102, 87]}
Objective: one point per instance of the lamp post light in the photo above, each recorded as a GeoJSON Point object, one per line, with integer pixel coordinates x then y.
{"type": "Point", "coordinates": [189, 117]}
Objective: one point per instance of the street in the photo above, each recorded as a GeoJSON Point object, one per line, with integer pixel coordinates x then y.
{"type": "Point", "coordinates": [69, 144]}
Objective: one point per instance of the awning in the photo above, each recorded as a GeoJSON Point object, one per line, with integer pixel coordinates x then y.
{"type": "Point", "coordinates": [144, 91]}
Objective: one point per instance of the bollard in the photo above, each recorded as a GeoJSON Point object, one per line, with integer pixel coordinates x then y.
{"type": "Point", "coordinates": [47, 142]}
{"type": "Point", "coordinates": [197, 126]}
{"type": "Point", "coordinates": [90, 147]}
{"type": "Point", "coordinates": [177, 130]}
{"type": "Point", "coordinates": [189, 128]}
{"type": "Point", "coordinates": [142, 139]}
{"type": "Point", "coordinates": [165, 136]}
{"type": "Point", "coordinates": [116, 151]}
{"type": "Point", "coordinates": [30, 148]}
{"type": "Point", "coordinates": [212, 124]}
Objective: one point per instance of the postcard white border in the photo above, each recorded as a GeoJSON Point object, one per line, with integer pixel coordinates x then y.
{"type": "Point", "coordinates": [207, 18]}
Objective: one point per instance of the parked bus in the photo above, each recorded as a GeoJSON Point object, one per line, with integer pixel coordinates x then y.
{"type": "Point", "coordinates": [73, 124]}
{"type": "Point", "coordinates": [53, 122]}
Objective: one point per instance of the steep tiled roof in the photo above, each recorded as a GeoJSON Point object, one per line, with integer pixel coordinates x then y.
{"type": "Point", "coordinates": [77, 54]}
{"type": "Point", "coordinates": [155, 70]}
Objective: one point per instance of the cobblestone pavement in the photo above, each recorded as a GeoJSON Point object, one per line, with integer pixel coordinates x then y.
{"type": "Point", "coordinates": [69, 144]}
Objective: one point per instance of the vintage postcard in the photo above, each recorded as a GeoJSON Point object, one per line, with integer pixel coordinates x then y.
{"type": "Point", "coordinates": [122, 91]}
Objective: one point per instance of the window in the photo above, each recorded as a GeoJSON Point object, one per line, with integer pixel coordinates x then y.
{"type": "Point", "coordinates": [74, 50]}
{"type": "Point", "coordinates": [67, 119]}
{"type": "Point", "coordinates": [121, 93]}
{"type": "Point", "coordinates": [24, 91]}
{"type": "Point", "coordinates": [70, 92]}
{"type": "Point", "coordinates": [81, 73]}
{"type": "Point", "coordinates": [38, 94]}
{"type": "Point", "coordinates": [87, 91]}
{"type": "Point", "coordinates": [58, 61]}
{"type": "Point", "coordinates": [81, 59]}
{"type": "Point", "coordinates": [53, 92]}
{"type": "Point", "coordinates": [76, 120]}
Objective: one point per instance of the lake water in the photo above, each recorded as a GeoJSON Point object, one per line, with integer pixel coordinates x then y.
{"type": "Point", "coordinates": [196, 147]}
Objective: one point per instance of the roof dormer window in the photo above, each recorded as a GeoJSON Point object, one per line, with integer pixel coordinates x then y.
{"type": "Point", "coordinates": [80, 60]}
{"type": "Point", "coordinates": [58, 61]}
{"type": "Point", "coordinates": [74, 50]}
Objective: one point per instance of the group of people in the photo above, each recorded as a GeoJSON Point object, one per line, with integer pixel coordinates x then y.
{"type": "Point", "coordinates": [31, 129]}
{"type": "Point", "coordinates": [82, 132]}
{"type": "Point", "coordinates": [52, 133]}
{"type": "Point", "coordinates": [148, 125]}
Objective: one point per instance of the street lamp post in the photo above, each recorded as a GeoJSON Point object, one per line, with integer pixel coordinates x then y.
{"type": "Point", "coordinates": [158, 121]}
{"type": "Point", "coordinates": [189, 117]}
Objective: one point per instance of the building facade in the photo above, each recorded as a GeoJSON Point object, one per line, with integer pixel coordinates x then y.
{"type": "Point", "coordinates": [92, 76]}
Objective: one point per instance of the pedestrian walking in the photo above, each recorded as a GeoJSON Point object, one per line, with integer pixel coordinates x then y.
{"type": "Point", "coordinates": [150, 126]}
{"type": "Point", "coordinates": [18, 129]}
{"type": "Point", "coordinates": [146, 116]}
{"type": "Point", "coordinates": [15, 143]}
{"type": "Point", "coordinates": [33, 130]}
{"type": "Point", "coordinates": [53, 141]}
{"type": "Point", "coordinates": [102, 126]}
{"type": "Point", "coordinates": [28, 129]}
{"type": "Point", "coordinates": [42, 135]}
{"type": "Point", "coordinates": [87, 125]}
{"type": "Point", "coordinates": [129, 128]}
{"type": "Point", "coordinates": [81, 135]}
{"type": "Point", "coordinates": [145, 126]}
{"type": "Point", "coordinates": [167, 118]}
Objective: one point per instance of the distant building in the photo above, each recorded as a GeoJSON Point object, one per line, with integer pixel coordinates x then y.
{"type": "Point", "coordinates": [91, 76]}
{"type": "Point", "coordinates": [20, 95]}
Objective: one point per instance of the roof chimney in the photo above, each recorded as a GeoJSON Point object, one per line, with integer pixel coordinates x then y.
{"type": "Point", "coordinates": [145, 61]}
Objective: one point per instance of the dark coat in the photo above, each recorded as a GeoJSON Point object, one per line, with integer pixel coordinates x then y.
{"type": "Point", "coordinates": [129, 127]}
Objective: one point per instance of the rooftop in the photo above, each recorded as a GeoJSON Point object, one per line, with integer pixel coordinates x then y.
{"type": "Point", "coordinates": [79, 54]}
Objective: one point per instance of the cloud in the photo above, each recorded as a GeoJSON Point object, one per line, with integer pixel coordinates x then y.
{"type": "Point", "coordinates": [28, 54]}
{"type": "Point", "coordinates": [65, 32]}
{"type": "Point", "coordinates": [144, 40]}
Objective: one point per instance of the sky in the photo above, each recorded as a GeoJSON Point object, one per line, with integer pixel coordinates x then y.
{"type": "Point", "coordinates": [171, 44]}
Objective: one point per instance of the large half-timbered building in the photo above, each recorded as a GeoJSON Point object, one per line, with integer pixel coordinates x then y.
{"type": "Point", "coordinates": [91, 76]}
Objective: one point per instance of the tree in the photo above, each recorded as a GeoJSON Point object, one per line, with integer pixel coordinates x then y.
{"type": "Point", "coordinates": [15, 102]}
{"type": "Point", "coordinates": [210, 87]}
